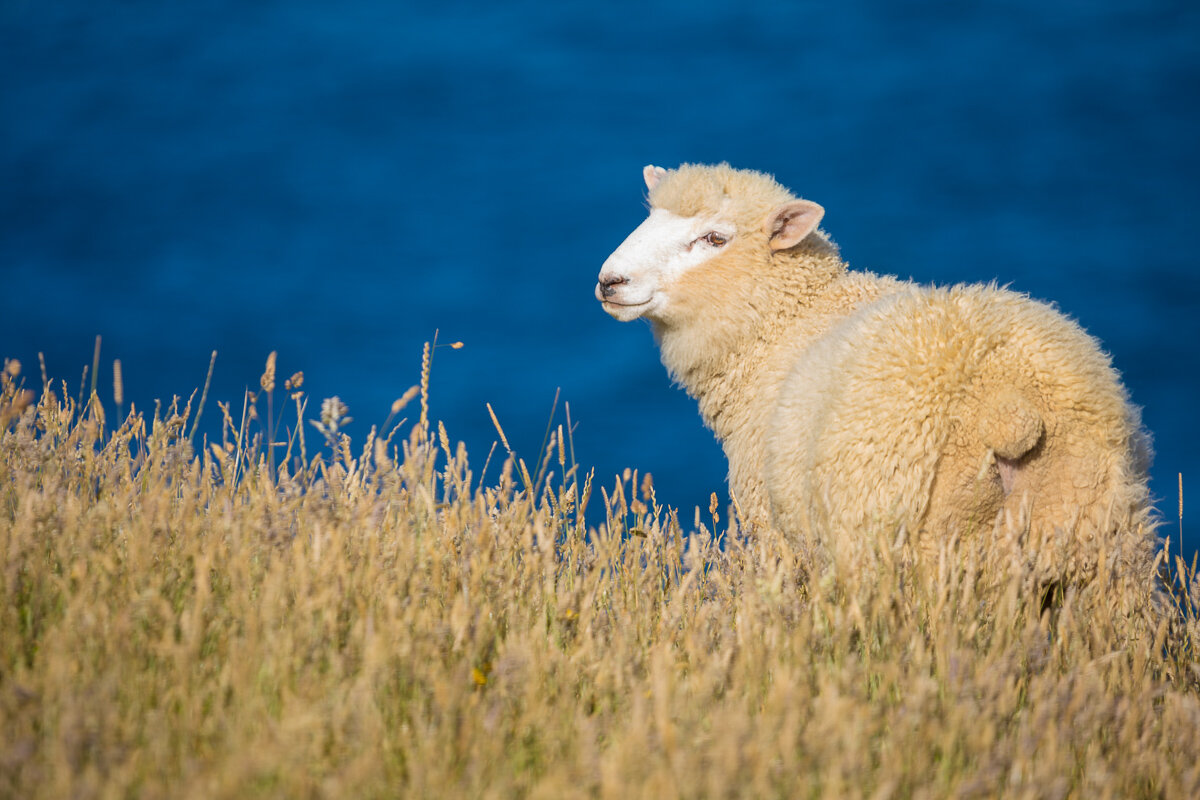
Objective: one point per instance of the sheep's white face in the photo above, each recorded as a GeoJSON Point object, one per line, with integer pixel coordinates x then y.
{"type": "Point", "coordinates": [636, 279]}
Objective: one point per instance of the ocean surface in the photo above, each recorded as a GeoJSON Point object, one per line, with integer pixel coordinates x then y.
{"type": "Point", "coordinates": [336, 182]}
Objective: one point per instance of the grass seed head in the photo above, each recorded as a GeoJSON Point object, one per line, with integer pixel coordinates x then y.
{"type": "Point", "coordinates": [267, 381]}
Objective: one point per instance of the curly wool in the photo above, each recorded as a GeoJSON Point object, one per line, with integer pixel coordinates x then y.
{"type": "Point", "coordinates": [848, 402]}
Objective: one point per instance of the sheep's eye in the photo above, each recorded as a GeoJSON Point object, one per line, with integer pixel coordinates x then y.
{"type": "Point", "coordinates": [715, 239]}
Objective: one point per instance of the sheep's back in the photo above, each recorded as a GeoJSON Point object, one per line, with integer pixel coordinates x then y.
{"type": "Point", "coordinates": [879, 421]}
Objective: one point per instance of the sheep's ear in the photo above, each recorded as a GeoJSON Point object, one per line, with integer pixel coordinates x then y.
{"type": "Point", "coordinates": [652, 175]}
{"type": "Point", "coordinates": [791, 222]}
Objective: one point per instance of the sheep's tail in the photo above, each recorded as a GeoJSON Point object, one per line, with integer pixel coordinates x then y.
{"type": "Point", "coordinates": [1011, 427]}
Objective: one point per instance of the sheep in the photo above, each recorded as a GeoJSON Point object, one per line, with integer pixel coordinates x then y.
{"type": "Point", "coordinates": [847, 401]}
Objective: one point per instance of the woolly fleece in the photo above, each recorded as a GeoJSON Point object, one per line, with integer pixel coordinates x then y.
{"type": "Point", "coordinates": [848, 402]}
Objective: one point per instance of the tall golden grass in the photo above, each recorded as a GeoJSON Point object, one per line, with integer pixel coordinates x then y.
{"type": "Point", "coordinates": [328, 619]}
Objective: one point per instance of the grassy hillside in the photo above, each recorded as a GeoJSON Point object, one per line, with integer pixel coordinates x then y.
{"type": "Point", "coordinates": [375, 619]}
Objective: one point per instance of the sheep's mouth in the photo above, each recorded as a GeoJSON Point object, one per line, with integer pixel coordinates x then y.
{"type": "Point", "coordinates": [626, 305]}
{"type": "Point", "coordinates": [617, 300]}
{"type": "Point", "coordinates": [625, 311]}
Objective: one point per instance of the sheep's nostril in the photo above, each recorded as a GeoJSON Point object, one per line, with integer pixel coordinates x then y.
{"type": "Point", "coordinates": [608, 284]}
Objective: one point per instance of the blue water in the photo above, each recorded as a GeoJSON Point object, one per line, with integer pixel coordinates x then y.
{"type": "Point", "coordinates": [338, 181]}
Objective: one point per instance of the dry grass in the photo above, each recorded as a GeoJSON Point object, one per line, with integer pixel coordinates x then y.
{"type": "Point", "coordinates": [377, 620]}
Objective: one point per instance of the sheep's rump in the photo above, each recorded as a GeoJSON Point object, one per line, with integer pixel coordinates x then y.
{"type": "Point", "coordinates": [941, 410]}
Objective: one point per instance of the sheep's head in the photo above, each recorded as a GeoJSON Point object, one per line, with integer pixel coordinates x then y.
{"type": "Point", "coordinates": [704, 222]}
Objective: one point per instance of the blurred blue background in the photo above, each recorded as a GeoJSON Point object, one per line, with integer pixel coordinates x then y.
{"type": "Point", "coordinates": [337, 181]}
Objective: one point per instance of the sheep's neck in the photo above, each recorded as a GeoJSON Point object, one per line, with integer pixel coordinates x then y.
{"type": "Point", "coordinates": [717, 357]}
{"type": "Point", "coordinates": [735, 372]}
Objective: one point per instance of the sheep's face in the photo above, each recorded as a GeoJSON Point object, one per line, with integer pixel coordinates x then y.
{"type": "Point", "coordinates": [636, 279]}
{"type": "Point", "coordinates": [707, 214]}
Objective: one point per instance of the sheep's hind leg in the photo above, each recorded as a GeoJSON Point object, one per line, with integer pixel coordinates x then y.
{"type": "Point", "coordinates": [1007, 467]}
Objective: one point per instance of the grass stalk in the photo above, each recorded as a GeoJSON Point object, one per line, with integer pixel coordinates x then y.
{"type": "Point", "coordinates": [212, 361]}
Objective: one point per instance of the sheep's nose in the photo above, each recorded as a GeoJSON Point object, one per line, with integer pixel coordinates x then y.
{"type": "Point", "coordinates": [609, 284]}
